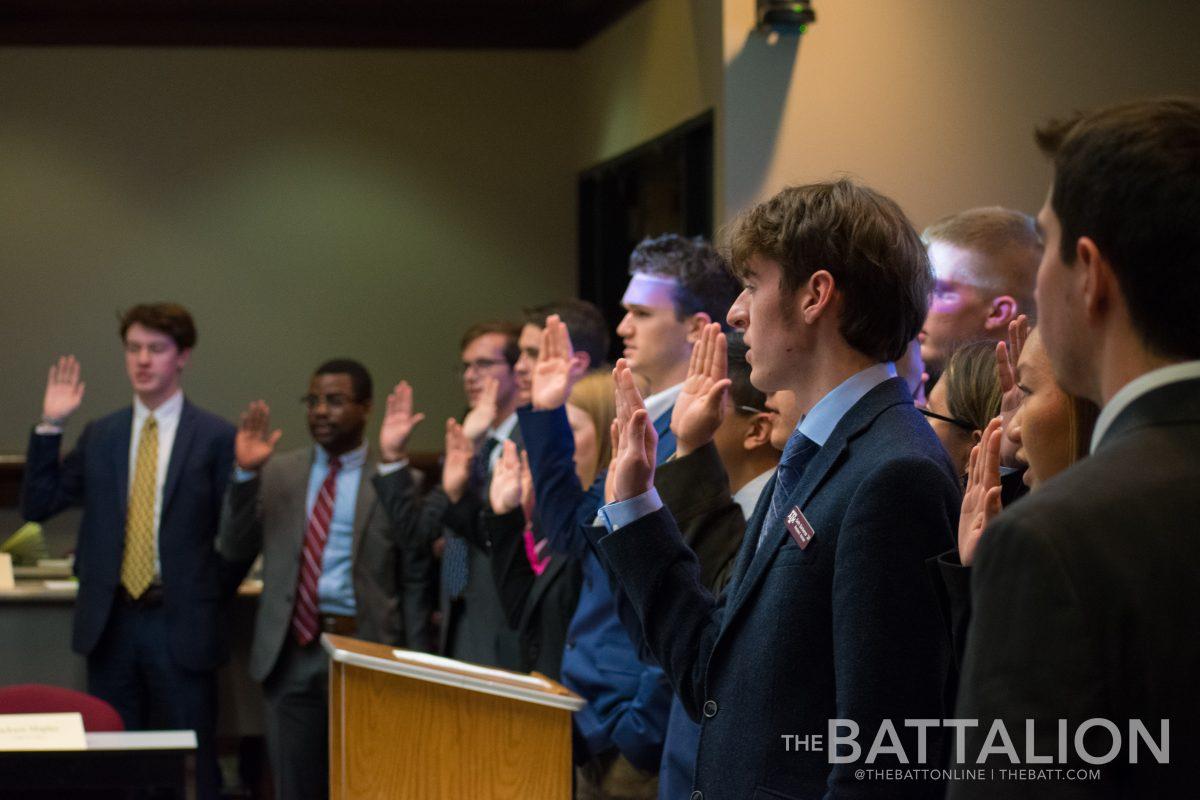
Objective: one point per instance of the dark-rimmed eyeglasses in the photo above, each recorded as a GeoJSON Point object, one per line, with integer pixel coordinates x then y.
{"type": "Point", "coordinates": [480, 365]}
{"type": "Point", "coordinates": [958, 423]}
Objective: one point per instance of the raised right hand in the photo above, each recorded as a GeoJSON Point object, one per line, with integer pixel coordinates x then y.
{"type": "Point", "coordinates": [64, 390]}
{"type": "Point", "coordinates": [505, 491]}
{"type": "Point", "coordinates": [700, 407]}
{"type": "Point", "coordinates": [456, 467]}
{"type": "Point", "coordinates": [981, 500]}
{"type": "Point", "coordinates": [556, 371]}
{"type": "Point", "coordinates": [253, 445]}
{"type": "Point", "coordinates": [633, 465]}
{"type": "Point", "coordinates": [481, 416]}
{"type": "Point", "coordinates": [398, 423]}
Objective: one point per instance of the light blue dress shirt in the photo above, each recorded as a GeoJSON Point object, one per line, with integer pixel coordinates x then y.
{"type": "Point", "coordinates": [335, 587]}
{"type": "Point", "coordinates": [817, 425]}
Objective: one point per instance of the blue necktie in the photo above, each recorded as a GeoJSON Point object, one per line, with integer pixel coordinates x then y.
{"type": "Point", "coordinates": [797, 453]}
{"type": "Point", "coordinates": [456, 563]}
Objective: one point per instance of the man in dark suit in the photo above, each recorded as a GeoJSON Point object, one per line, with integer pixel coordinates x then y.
{"type": "Point", "coordinates": [332, 562]}
{"type": "Point", "coordinates": [1085, 594]}
{"type": "Point", "coordinates": [150, 479]}
{"type": "Point", "coordinates": [829, 614]}
{"type": "Point", "coordinates": [676, 286]}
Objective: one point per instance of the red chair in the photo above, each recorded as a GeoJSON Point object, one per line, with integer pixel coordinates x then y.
{"type": "Point", "coordinates": [38, 698]}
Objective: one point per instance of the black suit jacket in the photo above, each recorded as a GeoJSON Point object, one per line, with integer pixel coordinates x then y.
{"type": "Point", "coordinates": [846, 628]}
{"type": "Point", "coordinates": [538, 607]}
{"type": "Point", "coordinates": [1086, 604]}
{"type": "Point", "coordinates": [96, 475]}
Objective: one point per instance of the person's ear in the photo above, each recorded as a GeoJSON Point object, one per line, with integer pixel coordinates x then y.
{"type": "Point", "coordinates": [695, 325]}
{"type": "Point", "coordinates": [1002, 311]}
{"type": "Point", "coordinates": [818, 297]}
{"type": "Point", "coordinates": [758, 432]}
{"type": "Point", "coordinates": [580, 363]}
{"type": "Point", "coordinates": [1099, 283]}
{"type": "Point", "coordinates": [181, 360]}
{"type": "Point", "coordinates": [367, 406]}
{"type": "Point", "coordinates": [976, 436]}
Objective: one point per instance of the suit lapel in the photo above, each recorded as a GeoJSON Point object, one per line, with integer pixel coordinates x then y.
{"type": "Point", "coordinates": [295, 474]}
{"type": "Point", "coordinates": [184, 434]}
{"type": "Point", "coordinates": [540, 584]}
{"type": "Point", "coordinates": [122, 436]}
{"type": "Point", "coordinates": [362, 505]}
{"type": "Point", "coordinates": [750, 540]}
{"type": "Point", "coordinates": [857, 419]}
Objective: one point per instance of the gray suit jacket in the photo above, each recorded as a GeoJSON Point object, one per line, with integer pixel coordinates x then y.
{"type": "Point", "coordinates": [268, 514]}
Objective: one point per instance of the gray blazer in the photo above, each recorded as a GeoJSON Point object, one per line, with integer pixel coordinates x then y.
{"type": "Point", "coordinates": [268, 514]}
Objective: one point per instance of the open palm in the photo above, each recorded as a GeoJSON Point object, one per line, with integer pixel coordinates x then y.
{"type": "Point", "coordinates": [64, 390]}
{"type": "Point", "coordinates": [700, 407]}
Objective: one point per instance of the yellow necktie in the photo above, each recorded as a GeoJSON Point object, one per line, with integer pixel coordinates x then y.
{"type": "Point", "coordinates": [137, 565]}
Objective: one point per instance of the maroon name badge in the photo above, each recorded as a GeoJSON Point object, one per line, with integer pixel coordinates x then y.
{"type": "Point", "coordinates": [798, 526]}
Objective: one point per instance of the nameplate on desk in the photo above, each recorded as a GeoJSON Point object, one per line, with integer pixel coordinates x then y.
{"type": "Point", "coordinates": [40, 732]}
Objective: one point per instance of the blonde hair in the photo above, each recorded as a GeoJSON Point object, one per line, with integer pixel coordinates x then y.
{"type": "Point", "coordinates": [594, 395]}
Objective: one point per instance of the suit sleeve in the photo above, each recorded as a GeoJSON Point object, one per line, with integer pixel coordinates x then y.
{"type": "Point", "coordinates": [52, 485]}
{"type": "Point", "coordinates": [891, 658]}
{"type": "Point", "coordinates": [563, 504]}
{"type": "Point", "coordinates": [232, 571]}
{"type": "Point", "coordinates": [240, 535]}
{"type": "Point", "coordinates": [953, 584]}
{"type": "Point", "coordinates": [411, 521]}
{"type": "Point", "coordinates": [1030, 652]}
{"type": "Point", "coordinates": [680, 618]}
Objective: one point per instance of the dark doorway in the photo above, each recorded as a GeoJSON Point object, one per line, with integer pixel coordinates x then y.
{"type": "Point", "coordinates": [662, 186]}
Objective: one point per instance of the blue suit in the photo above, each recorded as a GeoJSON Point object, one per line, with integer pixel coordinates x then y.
{"type": "Point", "coordinates": [845, 628]}
{"type": "Point", "coordinates": [628, 700]}
{"type": "Point", "coordinates": [155, 665]}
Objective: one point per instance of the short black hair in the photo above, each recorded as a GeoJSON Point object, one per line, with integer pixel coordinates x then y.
{"type": "Point", "coordinates": [1128, 177]}
{"type": "Point", "coordinates": [705, 283]}
{"type": "Point", "coordinates": [360, 378]}
{"type": "Point", "coordinates": [585, 324]}
{"type": "Point", "coordinates": [742, 392]}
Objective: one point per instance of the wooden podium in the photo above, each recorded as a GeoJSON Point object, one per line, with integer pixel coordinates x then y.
{"type": "Point", "coordinates": [404, 724]}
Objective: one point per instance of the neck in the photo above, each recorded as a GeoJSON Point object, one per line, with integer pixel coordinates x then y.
{"type": "Point", "coordinates": [341, 448]}
{"type": "Point", "coordinates": [829, 365]}
{"type": "Point", "coordinates": [665, 380]}
{"type": "Point", "coordinates": [755, 462]}
{"type": "Point", "coordinates": [153, 401]}
{"type": "Point", "coordinates": [1123, 360]}
{"type": "Point", "coordinates": [507, 410]}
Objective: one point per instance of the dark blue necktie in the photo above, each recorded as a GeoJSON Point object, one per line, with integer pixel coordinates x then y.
{"type": "Point", "coordinates": [456, 557]}
{"type": "Point", "coordinates": [797, 453]}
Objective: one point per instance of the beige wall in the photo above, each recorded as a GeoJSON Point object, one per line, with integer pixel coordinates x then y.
{"type": "Point", "coordinates": [304, 204]}
{"type": "Point", "coordinates": [934, 101]}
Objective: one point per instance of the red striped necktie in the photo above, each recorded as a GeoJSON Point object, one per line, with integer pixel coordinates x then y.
{"type": "Point", "coordinates": [305, 616]}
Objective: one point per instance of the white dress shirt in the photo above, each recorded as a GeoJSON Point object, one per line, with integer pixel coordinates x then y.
{"type": "Point", "coordinates": [1141, 385]}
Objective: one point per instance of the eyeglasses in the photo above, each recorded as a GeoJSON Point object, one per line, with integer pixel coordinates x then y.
{"type": "Point", "coordinates": [481, 364]}
{"type": "Point", "coordinates": [751, 410]}
{"type": "Point", "coordinates": [334, 401]}
{"type": "Point", "coordinates": [958, 423]}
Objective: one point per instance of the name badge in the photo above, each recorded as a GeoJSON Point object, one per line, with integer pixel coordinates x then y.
{"type": "Point", "coordinates": [799, 528]}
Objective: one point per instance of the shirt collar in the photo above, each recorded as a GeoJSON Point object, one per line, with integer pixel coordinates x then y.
{"type": "Point", "coordinates": [1141, 385]}
{"type": "Point", "coordinates": [350, 460]}
{"type": "Point", "coordinates": [747, 496]}
{"type": "Point", "coordinates": [168, 411]}
{"type": "Point", "coordinates": [505, 428]}
{"type": "Point", "coordinates": [661, 402]}
{"type": "Point", "coordinates": [819, 423]}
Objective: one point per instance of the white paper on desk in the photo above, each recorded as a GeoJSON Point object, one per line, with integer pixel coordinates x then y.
{"type": "Point", "coordinates": [37, 732]}
{"type": "Point", "coordinates": [473, 670]}
{"type": "Point", "coordinates": [6, 572]}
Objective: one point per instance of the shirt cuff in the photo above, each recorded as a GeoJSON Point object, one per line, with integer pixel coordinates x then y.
{"type": "Point", "coordinates": [242, 475]}
{"type": "Point", "coordinates": [43, 429]}
{"type": "Point", "coordinates": [617, 515]}
{"type": "Point", "coordinates": [394, 466]}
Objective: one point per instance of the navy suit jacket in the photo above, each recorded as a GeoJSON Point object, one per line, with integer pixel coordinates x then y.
{"type": "Point", "coordinates": [95, 475]}
{"type": "Point", "coordinates": [628, 700]}
{"type": "Point", "coordinates": [846, 628]}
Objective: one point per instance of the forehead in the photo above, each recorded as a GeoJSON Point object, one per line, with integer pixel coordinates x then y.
{"type": "Point", "coordinates": [489, 345]}
{"type": "Point", "coordinates": [137, 332]}
{"type": "Point", "coordinates": [531, 336]}
{"type": "Point", "coordinates": [761, 269]}
{"type": "Point", "coordinates": [651, 292]}
{"type": "Point", "coordinates": [333, 383]}
{"type": "Point", "coordinates": [953, 264]}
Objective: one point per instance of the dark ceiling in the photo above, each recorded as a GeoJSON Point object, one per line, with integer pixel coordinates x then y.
{"type": "Point", "coordinates": [309, 23]}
